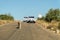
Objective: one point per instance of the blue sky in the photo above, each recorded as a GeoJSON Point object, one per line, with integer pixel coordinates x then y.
{"type": "Point", "coordinates": [21, 8]}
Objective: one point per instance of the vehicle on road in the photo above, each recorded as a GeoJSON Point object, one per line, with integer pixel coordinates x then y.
{"type": "Point", "coordinates": [31, 19]}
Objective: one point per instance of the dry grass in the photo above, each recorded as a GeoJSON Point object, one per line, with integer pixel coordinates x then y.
{"type": "Point", "coordinates": [53, 26]}
{"type": "Point", "coordinates": [5, 21]}
{"type": "Point", "coordinates": [43, 23]}
{"type": "Point", "coordinates": [46, 24]}
{"type": "Point", "coordinates": [54, 23]}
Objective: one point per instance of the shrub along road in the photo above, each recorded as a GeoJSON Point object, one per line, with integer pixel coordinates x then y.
{"type": "Point", "coordinates": [28, 31]}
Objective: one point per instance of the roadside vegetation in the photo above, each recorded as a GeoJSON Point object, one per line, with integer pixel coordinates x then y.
{"type": "Point", "coordinates": [51, 20]}
{"type": "Point", "coordinates": [6, 18]}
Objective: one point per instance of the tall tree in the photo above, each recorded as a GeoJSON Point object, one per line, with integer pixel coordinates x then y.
{"type": "Point", "coordinates": [53, 14]}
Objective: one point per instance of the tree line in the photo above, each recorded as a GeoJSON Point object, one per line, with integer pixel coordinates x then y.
{"type": "Point", "coordinates": [52, 14]}
{"type": "Point", "coordinates": [6, 17]}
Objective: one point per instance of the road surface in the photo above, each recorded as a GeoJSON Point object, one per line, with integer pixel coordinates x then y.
{"type": "Point", "coordinates": [28, 31]}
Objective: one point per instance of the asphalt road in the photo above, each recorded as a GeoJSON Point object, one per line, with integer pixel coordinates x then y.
{"type": "Point", "coordinates": [28, 31]}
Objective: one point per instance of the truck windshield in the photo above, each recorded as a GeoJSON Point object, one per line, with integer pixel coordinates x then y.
{"type": "Point", "coordinates": [31, 16]}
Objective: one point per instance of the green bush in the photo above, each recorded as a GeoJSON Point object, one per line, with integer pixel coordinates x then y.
{"type": "Point", "coordinates": [43, 18]}
{"type": "Point", "coordinates": [53, 14]}
{"type": "Point", "coordinates": [6, 17]}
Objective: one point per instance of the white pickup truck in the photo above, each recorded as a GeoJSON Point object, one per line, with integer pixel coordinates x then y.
{"type": "Point", "coordinates": [29, 19]}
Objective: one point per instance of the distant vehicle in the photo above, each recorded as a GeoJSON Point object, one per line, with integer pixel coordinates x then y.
{"type": "Point", "coordinates": [31, 19]}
